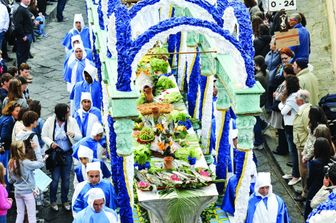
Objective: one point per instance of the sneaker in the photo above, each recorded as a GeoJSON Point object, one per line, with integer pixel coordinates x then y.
{"type": "Point", "coordinates": [294, 181]}
{"type": "Point", "coordinates": [67, 206]}
{"type": "Point", "coordinates": [54, 207]}
{"type": "Point", "coordinates": [287, 176]}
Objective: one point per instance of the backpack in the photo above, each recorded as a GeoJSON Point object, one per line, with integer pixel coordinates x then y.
{"type": "Point", "coordinates": [328, 104]}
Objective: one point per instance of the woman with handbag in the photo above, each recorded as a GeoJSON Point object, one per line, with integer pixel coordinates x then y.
{"type": "Point", "coordinates": [21, 173]}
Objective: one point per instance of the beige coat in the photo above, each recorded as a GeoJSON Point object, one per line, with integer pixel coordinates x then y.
{"type": "Point", "coordinates": [309, 82]}
{"type": "Point", "coordinates": [300, 126]}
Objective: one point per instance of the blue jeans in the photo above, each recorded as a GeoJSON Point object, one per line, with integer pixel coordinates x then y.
{"type": "Point", "coordinates": [3, 219]}
{"type": "Point", "coordinates": [62, 172]}
{"type": "Point", "coordinates": [292, 150]}
{"type": "Point", "coordinates": [2, 37]}
{"type": "Point", "coordinates": [40, 27]}
{"type": "Point", "coordinates": [60, 9]}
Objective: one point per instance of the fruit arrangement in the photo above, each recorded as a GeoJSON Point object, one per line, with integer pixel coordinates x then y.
{"type": "Point", "coordinates": [146, 135]}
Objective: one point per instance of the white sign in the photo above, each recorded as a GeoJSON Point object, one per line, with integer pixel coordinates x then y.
{"type": "Point", "coordinates": [277, 5]}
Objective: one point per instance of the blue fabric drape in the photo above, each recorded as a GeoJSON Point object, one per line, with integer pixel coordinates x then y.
{"type": "Point", "coordinates": [118, 177]}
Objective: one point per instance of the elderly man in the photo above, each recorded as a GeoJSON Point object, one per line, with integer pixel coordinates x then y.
{"type": "Point", "coordinates": [79, 28]}
{"type": "Point", "coordinates": [85, 156]}
{"type": "Point", "coordinates": [308, 80]}
{"type": "Point", "coordinates": [96, 142]}
{"type": "Point", "coordinates": [96, 211]}
{"type": "Point", "coordinates": [300, 136]}
{"type": "Point", "coordinates": [264, 205]}
{"type": "Point", "coordinates": [87, 114]}
{"type": "Point", "coordinates": [94, 180]}
{"type": "Point", "coordinates": [88, 84]}
{"type": "Point", "coordinates": [302, 50]}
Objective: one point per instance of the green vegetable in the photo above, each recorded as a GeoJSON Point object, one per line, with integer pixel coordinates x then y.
{"type": "Point", "coordinates": [146, 134]}
{"type": "Point", "coordinates": [182, 154]}
{"type": "Point", "coordinates": [159, 65]}
{"type": "Point", "coordinates": [164, 83]}
{"type": "Point", "coordinates": [194, 153]}
{"type": "Point", "coordinates": [142, 154]}
{"type": "Point", "coordinates": [141, 99]}
{"type": "Point", "coordinates": [177, 116]}
{"type": "Point", "coordinates": [172, 97]}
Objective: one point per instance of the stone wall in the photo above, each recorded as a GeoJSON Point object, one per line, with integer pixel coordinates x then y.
{"type": "Point", "coordinates": [331, 9]}
{"type": "Point", "coordinates": [321, 46]}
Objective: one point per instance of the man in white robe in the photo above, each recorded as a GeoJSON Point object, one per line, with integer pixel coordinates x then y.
{"type": "Point", "coordinates": [96, 211]}
{"type": "Point", "coordinates": [264, 206]}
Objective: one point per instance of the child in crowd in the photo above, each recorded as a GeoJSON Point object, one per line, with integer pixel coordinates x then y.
{"type": "Point", "coordinates": [21, 173]}
{"type": "Point", "coordinates": [5, 202]}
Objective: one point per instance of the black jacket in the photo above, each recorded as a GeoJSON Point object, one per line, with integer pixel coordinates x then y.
{"type": "Point", "coordinates": [23, 22]}
{"type": "Point", "coordinates": [262, 45]}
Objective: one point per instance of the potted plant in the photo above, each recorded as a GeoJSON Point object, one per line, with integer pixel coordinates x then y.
{"type": "Point", "coordinates": [141, 157]}
{"type": "Point", "coordinates": [168, 158]}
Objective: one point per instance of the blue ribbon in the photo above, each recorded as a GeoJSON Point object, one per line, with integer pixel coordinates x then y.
{"type": "Point", "coordinates": [223, 155]}
{"type": "Point", "coordinates": [118, 178]}
{"type": "Point", "coordinates": [193, 85]}
{"type": "Point", "coordinates": [203, 83]}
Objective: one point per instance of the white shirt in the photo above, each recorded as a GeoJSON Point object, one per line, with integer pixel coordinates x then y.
{"type": "Point", "coordinates": [289, 109]}
{"type": "Point", "coordinates": [4, 18]}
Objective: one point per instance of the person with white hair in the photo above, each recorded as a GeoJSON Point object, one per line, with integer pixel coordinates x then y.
{"type": "Point", "coordinates": [96, 211]}
{"type": "Point", "coordinates": [73, 70]}
{"type": "Point", "coordinates": [88, 84]}
{"type": "Point", "coordinates": [87, 114]}
{"type": "Point", "coordinates": [95, 141]}
{"type": "Point", "coordinates": [80, 29]}
{"type": "Point", "coordinates": [300, 137]}
{"type": "Point", "coordinates": [264, 205]}
{"type": "Point", "coordinates": [94, 180]}
{"type": "Point", "coordinates": [85, 156]}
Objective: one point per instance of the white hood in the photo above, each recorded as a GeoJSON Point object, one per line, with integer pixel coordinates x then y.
{"type": "Point", "coordinates": [78, 18]}
{"type": "Point", "coordinates": [91, 70]}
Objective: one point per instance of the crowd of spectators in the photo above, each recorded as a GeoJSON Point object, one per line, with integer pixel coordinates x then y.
{"type": "Point", "coordinates": [290, 103]}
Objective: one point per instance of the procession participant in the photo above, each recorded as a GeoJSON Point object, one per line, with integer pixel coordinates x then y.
{"type": "Point", "coordinates": [79, 28]}
{"type": "Point", "coordinates": [94, 175]}
{"type": "Point", "coordinates": [85, 156]}
{"type": "Point", "coordinates": [264, 205]}
{"type": "Point", "coordinates": [73, 70]}
{"type": "Point", "coordinates": [96, 142]}
{"type": "Point", "coordinates": [96, 211]}
{"type": "Point", "coordinates": [70, 56]}
{"type": "Point", "coordinates": [60, 132]}
{"type": "Point", "coordinates": [87, 114]}
{"type": "Point", "coordinates": [88, 84]}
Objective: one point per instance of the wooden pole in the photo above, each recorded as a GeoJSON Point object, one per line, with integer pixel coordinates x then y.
{"type": "Point", "coordinates": [188, 52]}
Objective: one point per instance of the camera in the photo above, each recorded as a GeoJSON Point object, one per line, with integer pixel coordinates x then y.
{"type": "Point", "coordinates": [40, 22]}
